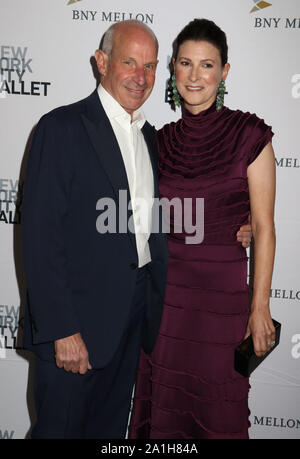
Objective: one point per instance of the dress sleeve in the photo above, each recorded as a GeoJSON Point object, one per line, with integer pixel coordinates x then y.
{"type": "Point", "coordinates": [261, 134]}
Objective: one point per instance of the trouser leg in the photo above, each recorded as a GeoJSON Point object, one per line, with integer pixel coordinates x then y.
{"type": "Point", "coordinates": [97, 404]}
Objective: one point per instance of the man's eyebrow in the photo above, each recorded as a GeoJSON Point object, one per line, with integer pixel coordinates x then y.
{"type": "Point", "coordinates": [133, 59]}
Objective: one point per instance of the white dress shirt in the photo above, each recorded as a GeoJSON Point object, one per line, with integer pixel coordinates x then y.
{"type": "Point", "coordinates": [138, 168]}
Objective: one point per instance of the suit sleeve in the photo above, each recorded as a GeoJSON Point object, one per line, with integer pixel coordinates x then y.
{"type": "Point", "coordinates": [44, 215]}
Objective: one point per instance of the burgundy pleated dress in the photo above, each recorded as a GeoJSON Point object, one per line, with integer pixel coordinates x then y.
{"type": "Point", "coordinates": [188, 388]}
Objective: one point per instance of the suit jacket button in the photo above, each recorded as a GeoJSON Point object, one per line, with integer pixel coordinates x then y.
{"type": "Point", "coordinates": [133, 266]}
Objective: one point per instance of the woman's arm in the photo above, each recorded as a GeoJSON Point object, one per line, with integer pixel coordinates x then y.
{"type": "Point", "coordinates": [262, 184]}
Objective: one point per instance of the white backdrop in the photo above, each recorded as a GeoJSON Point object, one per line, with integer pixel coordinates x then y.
{"type": "Point", "coordinates": [45, 52]}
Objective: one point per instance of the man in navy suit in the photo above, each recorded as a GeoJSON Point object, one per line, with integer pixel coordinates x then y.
{"type": "Point", "coordinates": [93, 299]}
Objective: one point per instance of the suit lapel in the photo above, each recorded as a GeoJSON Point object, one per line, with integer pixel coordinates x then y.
{"type": "Point", "coordinates": [107, 149]}
{"type": "Point", "coordinates": [157, 216]}
{"type": "Point", "coordinates": [105, 143]}
{"type": "Point", "coordinates": [149, 136]}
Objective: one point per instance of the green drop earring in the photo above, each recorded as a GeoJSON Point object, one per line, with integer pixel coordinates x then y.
{"type": "Point", "coordinates": [175, 93]}
{"type": "Point", "coordinates": [220, 95]}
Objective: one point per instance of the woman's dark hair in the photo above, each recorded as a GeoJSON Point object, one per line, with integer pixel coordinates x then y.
{"type": "Point", "coordinates": [203, 30]}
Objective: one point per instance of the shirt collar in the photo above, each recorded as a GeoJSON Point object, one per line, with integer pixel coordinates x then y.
{"type": "Point", "coordinates": [116, 112]}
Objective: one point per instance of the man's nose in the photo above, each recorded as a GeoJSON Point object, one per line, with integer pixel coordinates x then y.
{"type": "Point", "coordinates": [139, 76]}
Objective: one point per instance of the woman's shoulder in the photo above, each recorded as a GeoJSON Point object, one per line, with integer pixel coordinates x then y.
{"type": "Point", "coordinates": [167, 129]}
{"type": "Point", "coordinates": [249, 120]}
{"type": "Point", "coordinates": [254, 132]}
{"type": "Point", "coordinates": [166, 126]}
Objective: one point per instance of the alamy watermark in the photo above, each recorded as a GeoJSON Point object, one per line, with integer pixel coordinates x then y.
{"type": "Point", "coordinates": [181, 216]}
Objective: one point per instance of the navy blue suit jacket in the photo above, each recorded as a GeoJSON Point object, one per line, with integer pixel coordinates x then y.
{"type": "Point", "coordinates": [77, 279]}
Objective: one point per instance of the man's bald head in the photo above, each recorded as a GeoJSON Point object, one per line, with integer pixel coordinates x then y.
{"type": "Point", "coordinates": [108, 39]}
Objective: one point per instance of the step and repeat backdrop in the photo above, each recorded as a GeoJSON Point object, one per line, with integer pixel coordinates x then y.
{"type": "Point", "coordinates": [46, 50]}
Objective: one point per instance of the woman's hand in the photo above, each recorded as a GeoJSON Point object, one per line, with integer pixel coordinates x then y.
{"type": "Point", "coordinates": [260, 326]}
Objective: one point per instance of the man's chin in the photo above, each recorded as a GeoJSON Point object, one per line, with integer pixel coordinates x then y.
{"type": "Point", "coordinates": [133, 105]}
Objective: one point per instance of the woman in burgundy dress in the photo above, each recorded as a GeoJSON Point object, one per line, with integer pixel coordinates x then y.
{"type": "Point", "coordinates": [188, 388]}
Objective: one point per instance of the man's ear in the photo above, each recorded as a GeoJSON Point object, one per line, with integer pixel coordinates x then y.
{"type": "Point", "coordinates": [102, 61]}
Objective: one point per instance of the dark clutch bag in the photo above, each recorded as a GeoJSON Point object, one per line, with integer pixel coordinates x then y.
{"type": "Point", "coordinates": [245, 359]}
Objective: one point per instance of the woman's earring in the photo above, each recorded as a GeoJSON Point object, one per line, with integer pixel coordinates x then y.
{"type": "Point", "coordinates": [175, 93]}
{"type": "Point", "coordinates": [220, 95]}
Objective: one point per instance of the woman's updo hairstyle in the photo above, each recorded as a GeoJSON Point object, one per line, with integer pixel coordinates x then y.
{"type": "Point", "coordinates": [203, 30]}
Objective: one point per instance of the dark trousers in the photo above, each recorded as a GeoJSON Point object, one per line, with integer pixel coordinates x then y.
{"type": "Point", "coordinates": [96, 404]}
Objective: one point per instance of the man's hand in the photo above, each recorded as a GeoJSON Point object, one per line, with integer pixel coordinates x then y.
{"type": "Point", "coordinates": [72, 355]}
{"type": "Point", "coordinates": [244, 235]}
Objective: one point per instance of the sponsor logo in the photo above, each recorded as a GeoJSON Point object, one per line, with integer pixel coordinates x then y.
{"type": "Point", "coordinates": [272, 22]}
{"type": "Point", "coordinates": [11, 192]}
{"type": "Point", "coordinates": [109, 16]}
{"type": "Point", "coordinates": [259, 5]}
{"type": "Point", "coordinates": [284, 294]}
{"type": "Point", "coordinates": [288, 162]}
{"type": "Point", "coordinates": [15, 65]}
{"type": "Point", "coordinates": [277, 23]}
{"type": "Point", "coordinates": [283, 423]}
